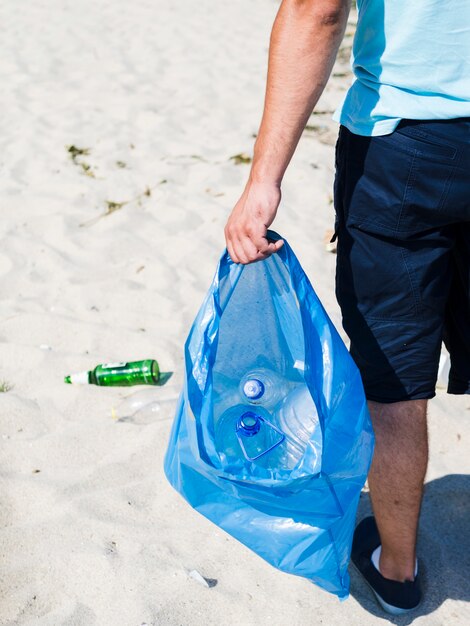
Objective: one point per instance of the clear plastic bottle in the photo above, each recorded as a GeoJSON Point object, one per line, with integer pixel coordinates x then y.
{"type": "Point", "coordinates": [142, 407]}
{"type": "Point", "coordinates": [297, 417]}
{"type": "Point", "coordinates": [244, 436]}
{"type": "Point", "coordinates": [264, 386]}
{"type": "Point", "coordinates": [278, 440]}
{"type": "Point", "coordinates": [225, 394]}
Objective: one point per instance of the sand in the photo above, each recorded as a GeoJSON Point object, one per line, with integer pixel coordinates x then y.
{"type": "Point", "coordinates": [119, 123]}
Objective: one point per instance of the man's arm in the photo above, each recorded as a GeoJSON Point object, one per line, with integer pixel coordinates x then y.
{"type": "Point", "coordinates": [304, 41]}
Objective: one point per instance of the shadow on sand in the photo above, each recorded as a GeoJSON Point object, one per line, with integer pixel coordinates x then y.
{"type": "Point", "coordinates": [443, 553]}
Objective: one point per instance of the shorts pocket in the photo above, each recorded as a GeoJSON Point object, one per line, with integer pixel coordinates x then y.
{"type": "Point", "coordinates": [400, 186]}
{"type": "Point", "coordinates": [412, 140]}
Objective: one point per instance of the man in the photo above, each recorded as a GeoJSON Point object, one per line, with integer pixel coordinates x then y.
{"type": "Point", "coordinates": [402, 201]}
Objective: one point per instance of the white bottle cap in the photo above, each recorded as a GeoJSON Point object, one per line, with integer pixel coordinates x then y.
{"type": "Point", "coordinates": [253, 389]}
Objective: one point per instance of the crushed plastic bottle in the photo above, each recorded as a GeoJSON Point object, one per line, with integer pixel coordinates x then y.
{"type": "Point", "coordinates": [142, 407]}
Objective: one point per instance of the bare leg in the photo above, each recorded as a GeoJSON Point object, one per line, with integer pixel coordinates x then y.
{"type": "Point", "coordinates": [396, 482]}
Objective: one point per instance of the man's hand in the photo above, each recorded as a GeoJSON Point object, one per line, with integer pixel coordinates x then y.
{"type": "Point", "coordinates": [245, 232]}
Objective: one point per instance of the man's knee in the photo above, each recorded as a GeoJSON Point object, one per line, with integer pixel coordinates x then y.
{"type": "Point", "coordinates": [399, 422]}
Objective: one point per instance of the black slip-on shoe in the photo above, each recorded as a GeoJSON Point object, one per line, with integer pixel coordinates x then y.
{"type": "Point", "coordinates": [394, 597]}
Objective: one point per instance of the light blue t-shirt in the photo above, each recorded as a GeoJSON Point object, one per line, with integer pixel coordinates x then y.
{"type": "Point", "coordinates": [411, 59]}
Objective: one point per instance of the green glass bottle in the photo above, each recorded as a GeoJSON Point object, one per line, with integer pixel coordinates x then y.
{"type": "Point", "coordinates": [119, 374]}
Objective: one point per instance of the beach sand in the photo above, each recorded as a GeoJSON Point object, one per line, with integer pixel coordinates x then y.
{"type": "Point", "coordinates": [119, 125]}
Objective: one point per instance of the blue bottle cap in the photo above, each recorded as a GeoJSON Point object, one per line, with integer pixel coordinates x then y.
{"type": "Point", "coordinates": [249, 424]}
{"type": "Point", "coordinates": [253, 389]}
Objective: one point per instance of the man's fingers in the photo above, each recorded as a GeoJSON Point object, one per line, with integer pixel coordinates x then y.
{"type": "Point", "coordinates": [236, 250]}
{"type": "Point", "coordinates": [231, 251]}
{"type": "Point", "coordinates": [251, 246]}
{"type": "Point", "coordinates": [245, 251]}
{"type": "Point", "coordinates": [260, 241]}
{"type": "Point", "coordinates": [262, 256]}
{"type": "Point", "coordinates": [233, 246]}
{"type": "Point", "coordinates": [270, 249]}
{"type": "Point", "coordinates": [250, 252]}
{"type": "Point", "coordinates": [275, 246]}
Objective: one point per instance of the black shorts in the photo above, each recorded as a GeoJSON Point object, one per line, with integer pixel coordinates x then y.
{"type": "Point", "coordinates": [402, 206]}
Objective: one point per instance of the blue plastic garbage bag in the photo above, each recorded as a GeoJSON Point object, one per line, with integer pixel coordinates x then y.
{"type": "Point", "coordinates": [294, 502]}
